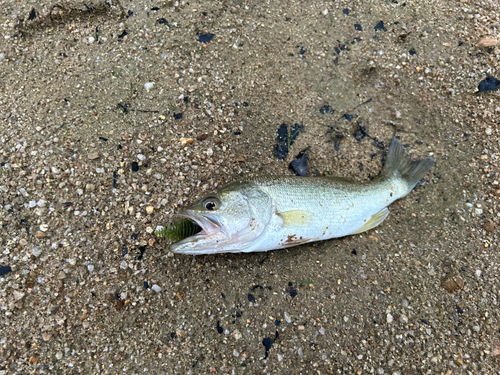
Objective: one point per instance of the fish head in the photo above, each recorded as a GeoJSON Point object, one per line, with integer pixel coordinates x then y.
{"type": "Point", "coordinates": [230, 220]}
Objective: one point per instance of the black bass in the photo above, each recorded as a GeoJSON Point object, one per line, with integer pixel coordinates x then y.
{"type": "Point", "coordinates": [276, 212]}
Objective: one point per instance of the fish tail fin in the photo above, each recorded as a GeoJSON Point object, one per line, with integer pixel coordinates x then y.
{"type": "Point", "coordinates": [400, 163]}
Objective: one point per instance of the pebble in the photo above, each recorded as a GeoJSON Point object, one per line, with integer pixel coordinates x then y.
{"type": "Point", "coordinates": [123, 265]}
{"type": "Point", "coordinates": [61, 275]}
{"type": "Point", "coordinates": [93, 155]}
{"type": "Point", "coordinates": [390, 318]}
{"type": "Point", "coordinates": [18, 295]}
{"type": "Point", "coordinates": [185, 141]}
{"type": "Point", "coordinates": [90, 267]}
{"type": "Point", "coordinates": [497, 193]}
{"type": "Point", "coordinates": [452, 282]}
{"type": "Point", "coordinates": [36, 250]}
{"type": "Point", "coordinates": [156, 288]}
{"type": "Point", "coordinates": [150, 209]}
{"type": "Point", "coordinates": [287, 318]}
{"type": "Point", "coordinates": [148, 86]}
{"type": "Point", "coordinates": [59, 355]}
{"type": "Point", "coordinates": [237, 335]}
{"type": "Point", "coordinates": [403, 318]}
{"type": "Point", "coordinates": [44, 227]}
{"type": "Point", "coordinates": [486, 42]}
{"type": "Point", "coordinates": [489, 227]}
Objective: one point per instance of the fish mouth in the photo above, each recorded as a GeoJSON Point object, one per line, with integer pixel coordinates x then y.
{"type": "Point", "coordinates": [207, 225]}
{"type": "Point", "coordinates": [209, 232]}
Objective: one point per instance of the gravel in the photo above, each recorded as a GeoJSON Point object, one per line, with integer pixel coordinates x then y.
{"type": "Point", "coordinates": [115, 115]}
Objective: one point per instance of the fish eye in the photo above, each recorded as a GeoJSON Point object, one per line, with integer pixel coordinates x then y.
{"type": "Point", "coordinates": [211, 203]}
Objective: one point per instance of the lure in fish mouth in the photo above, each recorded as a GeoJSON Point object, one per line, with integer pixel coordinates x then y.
{"type": "Point", "coordinates": [276, 212]}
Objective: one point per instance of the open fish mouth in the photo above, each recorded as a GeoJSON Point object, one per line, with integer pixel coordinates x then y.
{"type": "Point", "coordinates": [201, 226]}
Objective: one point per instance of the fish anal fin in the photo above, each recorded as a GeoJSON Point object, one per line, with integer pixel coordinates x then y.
{"type": "Point", "coordinates": [295, 218]}
{"type": "Point", "coordinates": [374, 221]}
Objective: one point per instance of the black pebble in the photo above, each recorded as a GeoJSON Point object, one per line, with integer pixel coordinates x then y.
{"type": "Point", "coordinates": [293, 293]}
{"type": "Point", "coordinates": [281, 148]}
{"type": "Point", "coordinates": [267, 342]}
{"type": "Point", "coordinates": [122, 35]}
{"type": "Point", "coordinates": [32, 14]}
{"type": "Point", "coordinates": [380, 26]}
{"type": "Point", "coordinates": [124, 251]}
{"type": "Point", "coordinates": [103, 139]}
{"type": "Point", "coordinates": [459, 310]}
{"type": "Point", "coordinates": [162, 21]}
{"type": "Point", "coordinates": [354, 252]}
{"type": "Point", "coordinates": [172, 335]}
{"type": "Point", "coordinates": [489, 84]}
{"type": "Point", "coordinates": [348, 117]}
{"type": "Point", "coordinates": [146, 285]}
{"type": "Point", "coordinates": [412, 51]}
{"type": "Point", "coordinates": [277, 322]}
{"type": "Point", "coordinates": [251, 298]}
{"type": "Point", "coordinates": [299, 165]}
{"type": "Point", "coordinates": [358, 27]}
{"type": "Point", "coordinates": [134, 236]}
{"type": "Point", "coordinates": [135, 166]}
{"type": "Point", "coordinates": [154, 9]}
{"type": "Point", "coordinates": [345, 11]}
{"type": "Point", "coordinates": [360, 133]}
{"type": "Point", "coordinates": [177, 116]}
{"type": "Point", "coordinates": [223, 295]}
{"type": "Point", "coordinates": [4, 270]}
{"type": "Point", "coordinates": [205, 38]}
{"type": "Point", "coordinates": [219, 328]}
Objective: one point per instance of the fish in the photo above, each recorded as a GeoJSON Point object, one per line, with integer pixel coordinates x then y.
{"type": "Point", "coordinates": [276, 212]}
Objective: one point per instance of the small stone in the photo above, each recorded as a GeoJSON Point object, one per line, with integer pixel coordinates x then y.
{"type": "Point", "coordinates": [156, 288]}
{"type": "Point", "coordinates": [36, 250]}
{"type": "Point", "coordinates": [486, 42]}
{"type": "Point", "coordinates": [239, 159]}
{"type": "Point", "coordinates": [61, 275]}
{"type": "Point", "coordinates": [403, 318]}
{"type": "Point", "coordinates": [45, 336]}
{"type": "Point", "coordinates": [119, 305]}
{"type": "Point", "coordinates": [390, 318]}
{"type": "Point", "coordinates": [44, 227]}
{"type": "Point", "coordinates": [123, 265]}
{"type": "Point", "coordinates": [459, 362]}
{"type": "Point", "coordinates": [287, 318]}
{"type": "Point", "coordinates": [91, 39]}
{"type": "Point", "coordinates": [237, 335]}
{"type": "Point", "coordinates": [59, 355]}
{"type": "Point", "coordinates": [202, 137]}
{"type": "Point", "coordinates": [93, 155]}
{"type": "Point", "coordinates": [497, 193]}
{"type": "Point", "coordinates": [150, 209]}
{"type": "Point", "coordinates": [18, 295]}
{"type": "Point", "coordinates": [90, 267]}
{"type": "Point", "coordinates": [452, 282]}
{"type": "Point", "coordinates": [89, 187]}
{"type": "Point", "coordinates": [489, 227]}
{"type": "Point", "coordinates": [148, 86]}
{"type": "Point", "coordinates": [185, 141]}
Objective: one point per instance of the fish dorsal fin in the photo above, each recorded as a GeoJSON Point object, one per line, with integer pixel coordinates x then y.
{"type": "Point", "coordinates": [295, 217]}
{"type": "Point", "coordinates": [374, 221]}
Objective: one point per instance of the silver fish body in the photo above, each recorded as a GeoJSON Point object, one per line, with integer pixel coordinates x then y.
{"type": "Point", "coordinates": [277, 212]}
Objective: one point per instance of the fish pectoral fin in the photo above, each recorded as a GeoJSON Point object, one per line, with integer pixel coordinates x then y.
{"type": "Point", "coordinates": [295, 217]}
{"type": "Point", "coordinates": [374, 221]}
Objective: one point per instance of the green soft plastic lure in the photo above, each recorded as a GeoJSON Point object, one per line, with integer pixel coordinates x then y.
{"type": "Point", "coordinates": [177, 232]}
